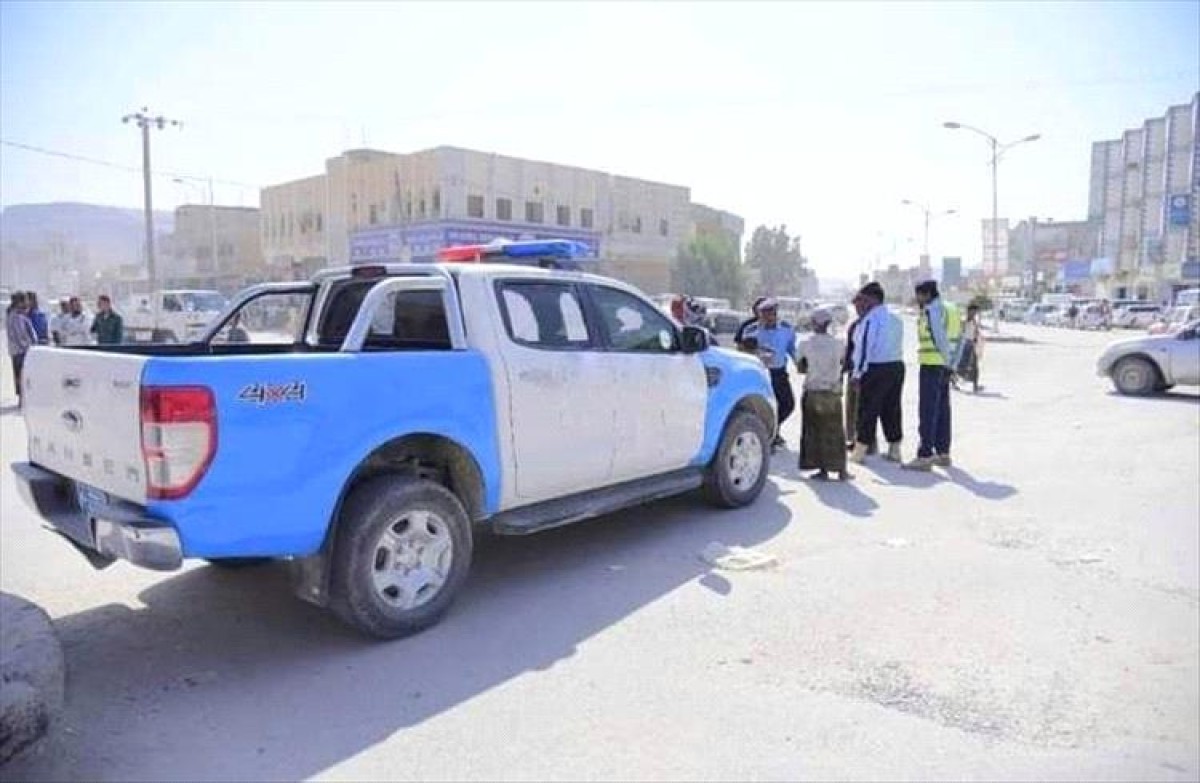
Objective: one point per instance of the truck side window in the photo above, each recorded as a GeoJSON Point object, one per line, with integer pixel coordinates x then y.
{"type": "Point", "coordinates": [631, 324]}
{"type": "Point", "coordinates": [543, 315]}
{"type": "Point", "coordinates": [412, 320]}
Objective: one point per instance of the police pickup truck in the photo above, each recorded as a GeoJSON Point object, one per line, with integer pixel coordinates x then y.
{"type": "Point", "coordinates": [410, 405]}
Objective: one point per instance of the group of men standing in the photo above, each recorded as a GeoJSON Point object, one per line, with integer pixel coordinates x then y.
{"type": "Point", "coordinates": [872, 361]}
{"type": "Point", "coordinates": [26, 325]}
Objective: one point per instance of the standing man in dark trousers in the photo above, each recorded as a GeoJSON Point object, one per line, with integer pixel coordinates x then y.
{"type": "Point", "coordinates": [776, 341]}
{"type": "Point", "coordinates": [851, 401]}
{"type": "Point", "coordinates": [878, 372]}
{"type": "Point", "coordinates": [938, 330]}
{"type": "Point", "coordinates": [107, 325]}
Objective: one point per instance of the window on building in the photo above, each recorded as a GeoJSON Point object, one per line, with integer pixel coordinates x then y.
{"type": "Point", "coordinates": [637, 224]}
{"type": "Point", "coordinates": [421, 207]}
{"type": "Point", "coordinates": [535, 212]}
{"type": "Point", "coordinates": [564, 216]}
{"type": "Point", "coordinates": [664, 228]}
{"type": "Point", "coordinates": [587, 217]}
{"type": "Point", "coordinates": [373, 216]}
{"type": "Point", "coordinates": [503, 209]}
{"type": "Point", "coordinates": [320, 224]}
{"type": "Point", "coordinates": [437, 202]}
{"type": "Point", "coordinates": [475, 206]}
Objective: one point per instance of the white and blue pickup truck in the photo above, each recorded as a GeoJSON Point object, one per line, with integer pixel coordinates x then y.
{"type": "Point", "coordinates": [389, 412]}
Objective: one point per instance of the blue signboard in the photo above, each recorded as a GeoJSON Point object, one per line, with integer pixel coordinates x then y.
{"type": "Point", "coordinates": [1179, 209]}
{"type": "Point", "coordinates": [421, 241]}
{"type": "Point", "coordinates": [1076, 271]}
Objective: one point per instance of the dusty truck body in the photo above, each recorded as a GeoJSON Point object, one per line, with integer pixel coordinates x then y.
{"type": "Point", "coordinates": [413, 404]}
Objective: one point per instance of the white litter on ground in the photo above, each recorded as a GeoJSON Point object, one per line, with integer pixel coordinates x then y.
{"type": "Point", "coordinates": [736, 558]}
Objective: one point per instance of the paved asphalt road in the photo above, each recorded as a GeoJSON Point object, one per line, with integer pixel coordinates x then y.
{"type": "Point", "coordinates": [1033, 613]}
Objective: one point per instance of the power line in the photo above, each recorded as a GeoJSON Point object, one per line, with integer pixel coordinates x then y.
{"type": "Point", "coordinates": [120, 166]}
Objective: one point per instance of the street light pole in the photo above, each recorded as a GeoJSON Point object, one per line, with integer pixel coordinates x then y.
{"type": "Point", "coordinates": [145, 122]}
{"type": "Point", "coordinates": [928, 213]}
{"type": "Point", "coordinates": [998, 149]}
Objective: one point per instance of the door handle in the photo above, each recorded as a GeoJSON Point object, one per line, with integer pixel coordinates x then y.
{"type": "Point", "coordinates": [72, 382]}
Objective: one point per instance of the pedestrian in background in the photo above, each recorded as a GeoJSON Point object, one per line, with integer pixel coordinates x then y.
{"type": "Point", "coordinates": [56, 320]}
{"type": "Point", "coordinates": [41, 325]}
{"type": "Point", "coordinates": [21, 337]}
{"type": "Point", "coordinates": [878, 370]}
{"type": "Point", "coordinates": [107, 325]}
{"type": "Point", "coordinates": [938, 329]}
{"type": "Point", "coordinates": [970, 349]}
{"type": "Point", "coordinates": [776, 341]}
{"type": "Point", "coordinates": [822, 438]}
{"type": "Point", "coordinates": [73, 328]}
{"type": "Point", "coordinates": [739, 337]}
{"type": "Point", "coordinates": [851, 413]}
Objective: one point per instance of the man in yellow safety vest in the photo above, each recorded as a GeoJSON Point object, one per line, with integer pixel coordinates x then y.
{"type": "Point", "coordinates": [939, 327]}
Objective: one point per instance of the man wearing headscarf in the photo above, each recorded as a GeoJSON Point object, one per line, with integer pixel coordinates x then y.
{"type": "Point", "coordinates": [822, 439]}
{"type": "Point", "coordinates": [938, 330]}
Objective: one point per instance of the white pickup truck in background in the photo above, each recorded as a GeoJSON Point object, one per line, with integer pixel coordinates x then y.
{"type": "Point", "coordinates": [172, 316]}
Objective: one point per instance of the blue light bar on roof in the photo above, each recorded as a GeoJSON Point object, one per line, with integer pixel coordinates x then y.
{"type": "Point", "coordinates": [528, 250]}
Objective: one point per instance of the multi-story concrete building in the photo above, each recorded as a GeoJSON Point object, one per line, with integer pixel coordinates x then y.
{"type": "Point", "coordinates": [372, 206]}
{"type": "Point", "coordinates": [214, 247]}
{"type": "Point", "coordinates": [1145, 189]}
{"type": "Point", "coordinates": [1054, 256]}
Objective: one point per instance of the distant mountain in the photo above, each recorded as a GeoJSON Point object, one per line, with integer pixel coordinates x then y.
{"type": "Point", "coordinates": [107, 236]}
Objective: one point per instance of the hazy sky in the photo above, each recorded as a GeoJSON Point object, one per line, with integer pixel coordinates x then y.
{"type": "Point", "coordinates": [820, 116]}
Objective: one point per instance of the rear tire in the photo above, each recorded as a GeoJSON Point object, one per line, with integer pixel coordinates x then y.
{"type": "Point", "coordinates": [1135, 376]}
{"type": "Point", "coordinates": [738, 471]}
{"type": "Point", "coordinates": [402, 551]}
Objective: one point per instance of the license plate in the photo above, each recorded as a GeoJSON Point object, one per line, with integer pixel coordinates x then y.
{"type": "Point", "coordinates": [90, 499]}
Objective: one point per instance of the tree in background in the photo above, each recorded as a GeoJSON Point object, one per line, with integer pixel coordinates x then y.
{"type": "Point", "coordinates": [778, 259]}
{"type": "Point", "coordinates": [708, 265]}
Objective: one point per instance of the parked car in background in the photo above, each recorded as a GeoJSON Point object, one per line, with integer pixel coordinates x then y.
{"type": "Point", "coordinates": [1013, 310]}
{"type": "Point", "coordinates": [723, 324]}
{"type": "Point", "coordinates": [1148, 364]}
{"type": "Point", "coordinates": [1038, 314]}
{"type": "Point", "coordinates": [1175, 319]}
{"type": "Point", "coordinates": [1138, 316]}
{"type": "Point", "coordinates": [1091, 316]}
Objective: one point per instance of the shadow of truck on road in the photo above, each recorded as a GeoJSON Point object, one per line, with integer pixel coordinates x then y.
{"type": "Point", "coordinates": [224, 675]}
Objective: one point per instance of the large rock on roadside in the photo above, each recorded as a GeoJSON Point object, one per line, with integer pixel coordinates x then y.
{"type": "Point", "coordinates": [32, 675]}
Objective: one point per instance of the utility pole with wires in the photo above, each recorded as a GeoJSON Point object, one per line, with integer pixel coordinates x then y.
{"type": "Point", "coordinates": [145, 122]}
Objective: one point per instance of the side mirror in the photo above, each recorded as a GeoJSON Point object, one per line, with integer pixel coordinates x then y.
{"type": "Point", "coordinates": [694, 339]}
{"type": "Point", "coordinates": [1187, 334]}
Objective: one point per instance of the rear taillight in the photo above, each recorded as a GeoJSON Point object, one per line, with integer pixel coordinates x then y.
{"type": "Point", "coordinates": [179, 438]}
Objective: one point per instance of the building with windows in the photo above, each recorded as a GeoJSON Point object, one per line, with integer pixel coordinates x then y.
{"type": "Point", "coordinates": [371, 205]}
{"type": "Point", "coordinates": [1144, 192]}
{"type": "Point", "coordinates": [1049, 255]}
{"type": "Point", "coordinates": [213, 247]}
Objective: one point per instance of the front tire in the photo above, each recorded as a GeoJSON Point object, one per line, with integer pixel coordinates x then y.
{"type": "Point", "coordinates": [403, 550]}
{"type": "Point", "coordinates": [1135, 376]}
{"type": "Point", "coordinates": [738, 472]}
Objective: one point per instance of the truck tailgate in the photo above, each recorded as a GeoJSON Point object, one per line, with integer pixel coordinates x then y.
{"type": "Point", "coordinates": [83, 415]}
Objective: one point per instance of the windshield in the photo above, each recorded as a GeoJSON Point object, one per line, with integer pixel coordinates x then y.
{"type": "Point", "coordinates": [200, 301]}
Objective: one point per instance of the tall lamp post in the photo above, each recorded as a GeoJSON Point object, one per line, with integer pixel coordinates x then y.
{"type": "Point", "coordinates": [998, 149]}
{"type": "Point", "coordinates": [929, 214]}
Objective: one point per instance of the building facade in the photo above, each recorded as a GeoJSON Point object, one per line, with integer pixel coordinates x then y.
{"type": "Point", "coordinates": [1144, 191]}
{"type": "Point", "coordinates": [213, 247]}
{"type": "Point", "coordinates": [371, 205]}
{"type": "Point", "coordinates": [1053, 256]}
